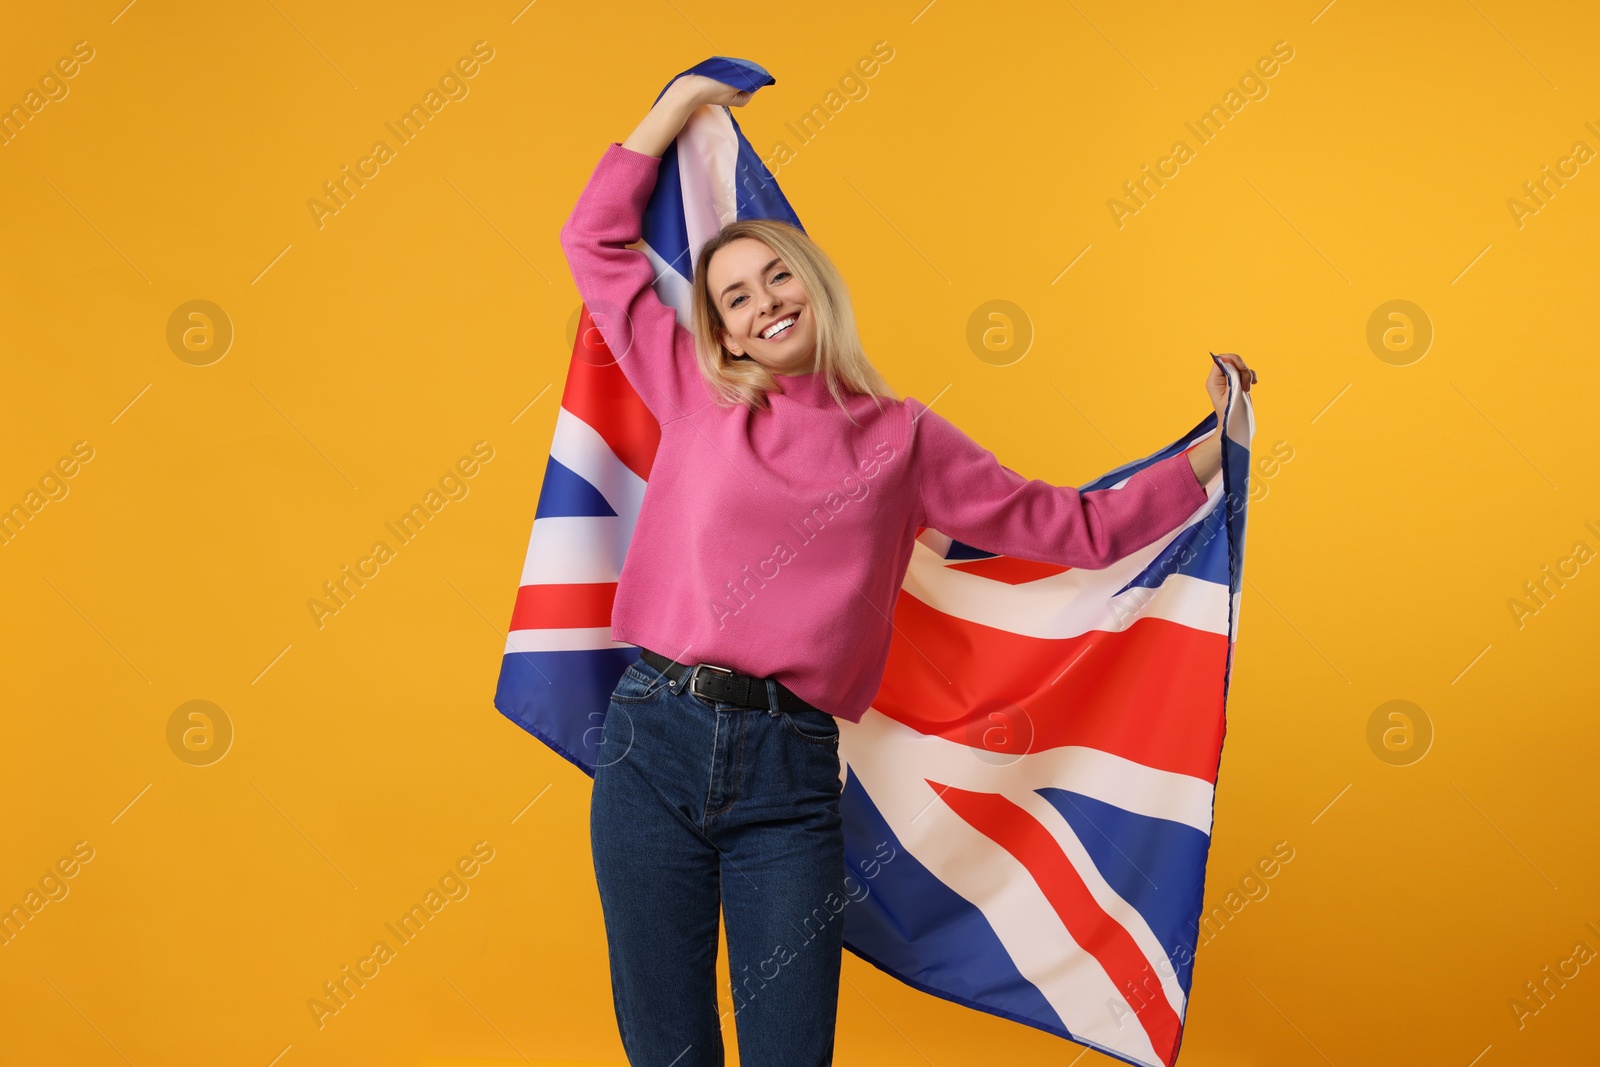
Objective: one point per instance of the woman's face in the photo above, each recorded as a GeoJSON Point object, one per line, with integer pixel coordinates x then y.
{"type": "Point", "coordinates": [755, 292]}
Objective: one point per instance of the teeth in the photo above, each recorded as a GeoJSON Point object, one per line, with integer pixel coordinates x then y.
{"type": "Point", "coordinates": [770, 331]}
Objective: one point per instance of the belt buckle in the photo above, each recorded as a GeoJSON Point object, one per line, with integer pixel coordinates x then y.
{"type": "Point", "coordinates": [698, 667]}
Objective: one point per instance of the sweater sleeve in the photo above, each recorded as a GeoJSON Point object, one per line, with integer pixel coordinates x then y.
{"type": "Point", "coordinates": [655, 352]}
{"type": "Point", "coordinates": [967, 494]}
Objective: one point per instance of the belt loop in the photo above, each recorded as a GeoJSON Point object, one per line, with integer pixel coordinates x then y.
{"type": "Point", "coordinates": [772, 698]}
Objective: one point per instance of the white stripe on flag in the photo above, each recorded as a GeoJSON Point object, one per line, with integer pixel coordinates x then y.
{"type": "Point", "coordinates": [573, 639]}
{"type": "Point", "coordinates": [1106, 777]}
{"type": "Point", "coordinates": [1073, 602]}
{"type": "Point", "coordinates": [1065, 605]}
{"type": "Point", "coordinates": [989, 877]}
{"type": "Point", "coordinates": [1110, 901]}
{"type": "Point", "coordinates": [673, 288]}
{"type": "Point", "coordinates": [708, 149]}
{"type": "Point", "coordinates": [580, 550]}
{"type": "Point", "coordinates": [580, 448]}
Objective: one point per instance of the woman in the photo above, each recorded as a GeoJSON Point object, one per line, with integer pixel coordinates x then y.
{"type": "Point", "coordinates": [760, 583]}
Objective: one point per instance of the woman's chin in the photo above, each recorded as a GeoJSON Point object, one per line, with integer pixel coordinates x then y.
{"type": "Point", "coordinates": [801, 366]}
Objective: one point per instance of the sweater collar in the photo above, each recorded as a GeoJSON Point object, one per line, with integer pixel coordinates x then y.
{"type": "Point", "coordinates": [808, 389]}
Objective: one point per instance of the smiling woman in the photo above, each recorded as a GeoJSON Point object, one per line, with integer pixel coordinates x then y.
{"type": "Point", "coordinates": [760, 304]}
{"type": "Point", "coordinates": [765, 411]}
{"type": "Point", "coordinates": [768, 301]}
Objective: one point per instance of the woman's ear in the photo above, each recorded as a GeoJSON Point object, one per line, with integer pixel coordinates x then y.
{"type": "Point", "coordinates": [727, 342]}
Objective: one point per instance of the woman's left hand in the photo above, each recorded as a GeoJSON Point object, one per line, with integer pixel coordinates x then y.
{"type": "Point", "coordinates": [1217, 383]}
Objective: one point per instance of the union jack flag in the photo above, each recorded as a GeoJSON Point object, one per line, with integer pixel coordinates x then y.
{"type": "Point", "coordinates": [1047, 787]}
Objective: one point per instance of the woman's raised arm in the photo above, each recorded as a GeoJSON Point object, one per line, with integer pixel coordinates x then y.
{"type": "Point", "coordinates": [655, 352]}
{"type": "Point", "coordinates": [665, 121]}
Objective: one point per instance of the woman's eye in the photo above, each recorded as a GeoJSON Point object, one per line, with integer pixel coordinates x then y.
{"type": "Point", "coordinates": [735, 302]}
{"type": "Point", "coordinates": [780, 276]}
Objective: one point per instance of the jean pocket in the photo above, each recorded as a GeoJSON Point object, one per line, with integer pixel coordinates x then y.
{"type": "Point", "coordinates": [818, 727]}
{"type": "Point", "coordinates": [639, 683]}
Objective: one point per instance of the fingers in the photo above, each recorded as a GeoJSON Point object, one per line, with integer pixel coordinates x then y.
{"type": "Point", "coordinates": [706, 90]}
{"type": "Point", "coordinates": [1247, 377]}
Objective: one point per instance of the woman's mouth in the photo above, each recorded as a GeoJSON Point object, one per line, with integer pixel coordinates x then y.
{"type": "Point", "coordinates": [781, 329]}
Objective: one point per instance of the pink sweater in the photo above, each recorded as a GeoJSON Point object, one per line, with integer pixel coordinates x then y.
{"type": "Point", "coordinates": [775, 542]}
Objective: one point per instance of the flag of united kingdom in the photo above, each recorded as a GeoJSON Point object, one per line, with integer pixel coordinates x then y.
{"type": "Point", "coordinates": [1042, 753]}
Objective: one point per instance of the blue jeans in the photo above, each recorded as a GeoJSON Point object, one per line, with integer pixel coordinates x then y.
{"type": "Point", "coordinates": [700, 803]}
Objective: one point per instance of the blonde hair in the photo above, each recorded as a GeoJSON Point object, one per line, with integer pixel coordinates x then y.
{"type": "Point", "coordinates": [841, 360]}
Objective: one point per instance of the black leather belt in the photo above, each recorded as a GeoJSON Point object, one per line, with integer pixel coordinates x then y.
{"type": "Point", "coordinates": [728, 686]}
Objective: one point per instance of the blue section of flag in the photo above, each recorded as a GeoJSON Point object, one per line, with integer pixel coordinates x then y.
{"type": "Point", "coordinates": [918, 929]}
{"type": "Point", "coordinates": [568, 494]}
{"type": "Point", "coordinates": [758, 194]}
{"type": "Point", "coordinates": [665, 230]}
{"type": "Point", "coordinates": [1154, 864]}
{"type": "Point", "coordinates": [1129, 469]}
{"type": "Point", "coordinates": [544, 692]}
{"type": "Point", "coordinates": [740, 73]}
{"type": "Point", "coordinates": [1200, 552]}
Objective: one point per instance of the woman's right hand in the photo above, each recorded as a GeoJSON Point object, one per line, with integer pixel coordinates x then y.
{"type": "Point", "coordinates": [696, 90]}
{"type": "Point", "coordinates": [681, 99]}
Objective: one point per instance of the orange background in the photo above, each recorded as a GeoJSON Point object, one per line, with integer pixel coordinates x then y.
{"type": "Point", "coordinates": [433, 311]}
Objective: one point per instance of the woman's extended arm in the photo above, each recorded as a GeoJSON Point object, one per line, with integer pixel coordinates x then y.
{"type": "Point", "coordinates": [967, 494]}
{"type": "Point", "coordinates": [1206, 459]}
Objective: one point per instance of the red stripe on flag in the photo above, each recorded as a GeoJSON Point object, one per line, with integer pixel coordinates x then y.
{"type": "Point", "coordinates": [1151, 693]}
{"type": "Point", "coordinates": [600, 394]}
{"type": "Point", "coordinates": [560, 607]}
{"type": "Point", "coordinates": [1009, 569]}
{"type": "Point", "coordinates": [1019, 833]}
